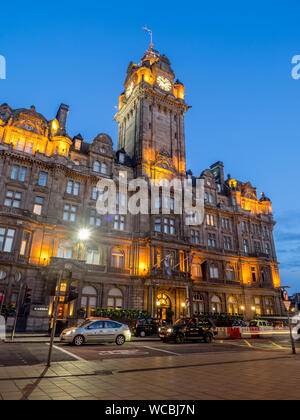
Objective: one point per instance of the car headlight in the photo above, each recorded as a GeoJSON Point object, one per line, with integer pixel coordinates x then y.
{"type": "Point", "coordinates": [159, 330]}
{"type": "Point", "coordinates": [69, 332]}
{"type": "Point", "coordinates": [170, 330]}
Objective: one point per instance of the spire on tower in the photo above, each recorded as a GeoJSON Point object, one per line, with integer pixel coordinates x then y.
{"type": "Point", "coordinates": [151, 55]}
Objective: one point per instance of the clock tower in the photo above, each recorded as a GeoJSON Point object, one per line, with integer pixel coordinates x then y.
{"type": "Point", "coordinates": [151, 118]}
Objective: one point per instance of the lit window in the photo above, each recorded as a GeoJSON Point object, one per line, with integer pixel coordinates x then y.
{"type": "Point", "coordinates": [117, 258]}
{"type": "Point", "coordinates": [198, 304]}
{"type": "Point", "coordinates": [216, 305]}
{"type": "Point", "coordinates": [246, 246]}
{"type": "Point", "coordinates": [89, 301]}
{"type": "Point", "coordinates": [115, 299]}
{"type": "Point", "coordinates": [210, 220]}
{"type": "Point", "coordinates": [196, 270]}
{"type": "Point", "coordinates": [77, 144]}
{"type": "Point", "coordinates": [38, 205]}
{"type": "Point", "coordinates": [25, 244]}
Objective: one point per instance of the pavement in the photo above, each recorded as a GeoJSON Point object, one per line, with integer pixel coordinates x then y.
{"type": "Point", "coordinates": [226, 375]}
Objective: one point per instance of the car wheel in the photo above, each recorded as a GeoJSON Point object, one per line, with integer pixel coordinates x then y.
{"type": "Point", "coordinates": [78, 340]}
{"type": "Point", "coordinates": [208, 338]}
{"type": "Point", "coordinates": [120, 340]}
{"type": "Point", "coordinates": [179, 339]}
{"type": "Point", "coordinates": [142, 334]}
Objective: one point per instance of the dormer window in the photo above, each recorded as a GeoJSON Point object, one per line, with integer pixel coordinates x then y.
{"type": "Point", "coordinates": [122, 158]}
{"type": "Point", "coordinates": [78, 144]}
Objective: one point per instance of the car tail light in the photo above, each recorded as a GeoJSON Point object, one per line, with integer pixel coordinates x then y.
{"type": "Point", "coordinates": [137, 324]}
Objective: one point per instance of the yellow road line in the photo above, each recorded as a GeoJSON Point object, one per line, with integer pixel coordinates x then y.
{"type": "Point", "coordinates": [248, 344]}
{"type": "Point", "coordinates": [277, 345]}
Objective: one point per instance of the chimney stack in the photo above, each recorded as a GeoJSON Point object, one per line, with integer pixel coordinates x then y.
{"type": "Point", "coordinates": [62, 117]}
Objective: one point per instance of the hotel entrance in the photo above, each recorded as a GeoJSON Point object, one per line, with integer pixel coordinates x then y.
{"type": "Point", "coordinates": [164, 307]}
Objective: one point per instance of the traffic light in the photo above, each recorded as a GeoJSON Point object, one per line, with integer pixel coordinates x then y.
{"type": "Point", "coordinates": [27, 296]}
{"type": "Point", "coordinates": [72, 294]}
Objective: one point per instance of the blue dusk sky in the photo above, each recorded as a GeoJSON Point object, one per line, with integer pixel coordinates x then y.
{"type": "Point", "coordinates": [234, 58]}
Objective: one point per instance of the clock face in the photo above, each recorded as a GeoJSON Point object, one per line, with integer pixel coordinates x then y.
{"type": "Point", "coordinates": [164, 83]}
{"type": "Point", "coordinates": [129, 89]}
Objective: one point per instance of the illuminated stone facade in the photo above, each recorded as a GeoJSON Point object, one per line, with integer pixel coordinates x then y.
{"type": "Point", "coordinates": [48, 180]}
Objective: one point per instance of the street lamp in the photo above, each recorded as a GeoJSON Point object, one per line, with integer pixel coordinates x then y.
{"type": "Point", "coordinates": [84, 234]}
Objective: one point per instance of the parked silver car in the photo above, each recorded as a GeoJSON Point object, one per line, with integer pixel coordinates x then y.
{"type": "Point", "coordinates": [97, 331]}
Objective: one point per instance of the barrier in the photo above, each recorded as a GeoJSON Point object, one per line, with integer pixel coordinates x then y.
{"type": "Point", "coordinates": [237, 333]}
{"type": "Point", "coordinates": [2, 328]}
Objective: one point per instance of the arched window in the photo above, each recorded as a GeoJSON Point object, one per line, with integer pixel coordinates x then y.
{"type": "Point", "coordinates": [65, 250]}
{"type": "Point", "coordinates": [117, 258]}
{"type": "Point", "coordinates": [115, 299]}
{"type": "Point", "coordinates": [92, 255]}
{"type": "Point", "coordinates": [198, 304]}
{"type": "Point", "coordinates": [96, 167]}
{"type": "Point", "coordinates": [89, 300]}
{"type": "Point", "coordinates": [216, 305]}
{"type": "Point", "coordinates": [232, 305]}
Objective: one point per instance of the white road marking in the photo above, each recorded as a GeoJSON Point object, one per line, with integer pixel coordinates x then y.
{"type": "Point", "coordinates": [122, 352]}
{"type": "Point", "coordinates": [164, 351]}
{"type": "Point", "coordinates": [68, 353]}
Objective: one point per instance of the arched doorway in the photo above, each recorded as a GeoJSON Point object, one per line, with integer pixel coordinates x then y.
{"type": "Point", "coordinates": [164, 307]}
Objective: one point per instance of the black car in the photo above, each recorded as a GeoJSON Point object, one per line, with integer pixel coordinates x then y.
{"type": "Point", "coordinates": [189, 329]}
{"type": "Point", "coordinates": [146, 327]}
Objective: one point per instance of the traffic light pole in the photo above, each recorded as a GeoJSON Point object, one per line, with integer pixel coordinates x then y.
{"type": "Point", "coordinates": [54, 318]}
{"type": "Point", "coordinates": [291, 334]}
{"type": "Point", "coordinates": [17, 313]}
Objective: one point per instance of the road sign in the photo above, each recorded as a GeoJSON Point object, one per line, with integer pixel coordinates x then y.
{"type": "Point", "coordinates": [287, 305]}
